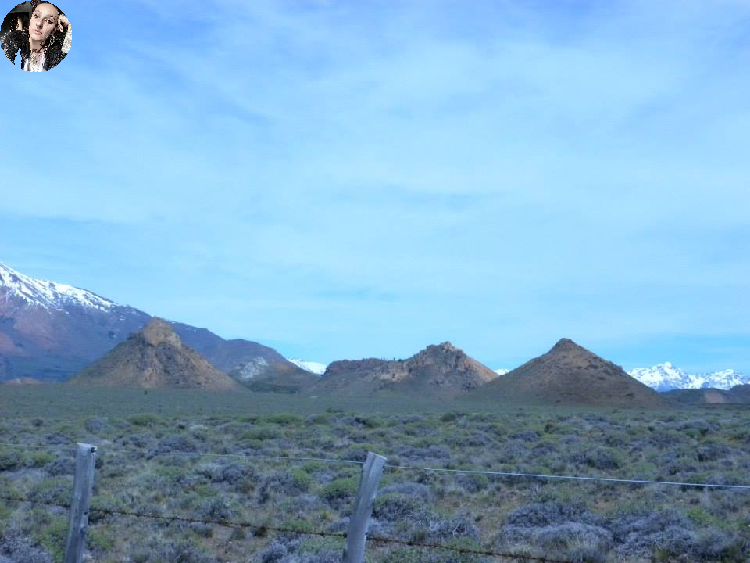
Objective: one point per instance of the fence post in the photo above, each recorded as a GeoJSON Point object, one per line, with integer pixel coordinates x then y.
{"type": "Point", "coordinates": [360, 519]}
{"type": "Point", "coordinates": [79, 508]}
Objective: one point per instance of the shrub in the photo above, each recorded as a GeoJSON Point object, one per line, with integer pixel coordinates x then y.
{"type": "Point", "coordinates": [284, 419]}
{"type": "Point", "coordinates": [10, 459]}
{"type": "Point", "coordinates": [550, 513]}
{"type": "Point", "coordinates": [215, 509]}
{"type": "Point", "coordinates": [643, 533]}
{"type": "Point", "coordinates": [600, 458]}
{"type": "Point", "coordinates": [170, 552]}
{"type": "Point", "coordinates": [283, 483]}
{"type": "Point", "coordinates": [145, 419]}
{"type": "Point", "coordinates": [61, 466]}
{"type": "Point", "coordinates": [413, 490]}
{"type": "Point", "coordinates": [589, 543]}
{"type": "Point", "coordinates": [16, 548]}
{"type": "Point", "coordinates": [441, 530]}
{"type": "Point", "coordinates": [396, 508]}
{"type": "Point", "coordinates": [178, 443]}
{"type": "Point", "coordinates": [40, 459]}
{"type": "Point", "coordinates": [95, 425]}
{"type": "Point", "coordinates": [473, 482]}
{"type": "Point", "coordinates": [340, 489]}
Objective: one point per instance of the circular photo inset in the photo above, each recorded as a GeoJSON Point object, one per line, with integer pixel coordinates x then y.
{"type": "Point", "coordinates": [39, 32]}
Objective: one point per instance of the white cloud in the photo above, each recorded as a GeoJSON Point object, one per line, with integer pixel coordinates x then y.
{"type": "Point", "coordinates": [537, 161]}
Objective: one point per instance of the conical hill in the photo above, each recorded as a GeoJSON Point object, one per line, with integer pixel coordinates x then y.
{"type": "Point", "coordinates": [154, 358]}
{"type": "Point", "coordinates": [571, 375]}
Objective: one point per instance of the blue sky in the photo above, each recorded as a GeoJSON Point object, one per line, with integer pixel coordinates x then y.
{"type": "Point", "coordinates": [341, 179]}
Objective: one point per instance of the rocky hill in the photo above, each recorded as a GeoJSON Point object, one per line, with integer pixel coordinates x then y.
{"type": "Point", "coordinates": [439, 370]}
{"type": "Point", "coordinates": [155, 358]}
{"type": "Point", "coordinates": [50, 331]}
{"type": "Point", "coordinates": [570, 375]}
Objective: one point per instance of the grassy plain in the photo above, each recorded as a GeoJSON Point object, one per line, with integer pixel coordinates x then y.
{"type": "Point", "coordinates": [227, 456]}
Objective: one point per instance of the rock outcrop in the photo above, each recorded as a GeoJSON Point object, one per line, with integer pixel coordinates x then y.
{"type": "Point", "coordinates": [439, 370]}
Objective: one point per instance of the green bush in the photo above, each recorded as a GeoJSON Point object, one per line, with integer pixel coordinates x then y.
{"type": "Point", "coordinates": [302, 480]}
{"type": "Point", "coordinates": [284, 419]}
{"type": "Point", "coordinates": [340, 488]}
{"type": "Point", "coordinates": [11, 459]}
{"type": "Point", "coordinates": [145, 419]}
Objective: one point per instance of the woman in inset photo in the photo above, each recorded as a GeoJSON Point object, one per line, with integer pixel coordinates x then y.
{"type": "Point", "coordinates": [40, 31]}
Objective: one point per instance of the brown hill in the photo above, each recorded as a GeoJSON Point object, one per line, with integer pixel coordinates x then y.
{"type": "Point", "coordinates": [571, 375]}
{"type": "Point", "coordinates": [439, 370]}
{"type": "Point", "coordinates": [155, 357]}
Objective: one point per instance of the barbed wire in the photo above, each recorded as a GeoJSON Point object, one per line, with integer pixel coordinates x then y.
{"type": "Point", "coordinates": [263, 529]}
{"type": "Point", "coordinates": [46, 447]}
{"type": "Point", "coordinates": [34, 501]}
{"type": "Point", "coordinates": [430, 469]}
{"type": "Point", "coordinates": [568, 477]}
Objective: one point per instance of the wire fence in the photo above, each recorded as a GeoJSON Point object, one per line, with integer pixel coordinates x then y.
{"type": "Point", "coordinates": [262, 529]}
{"type": "Point", "coordinates": [611, 480]}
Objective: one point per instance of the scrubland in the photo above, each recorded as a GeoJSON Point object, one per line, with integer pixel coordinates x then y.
{"type": "Point", "coordinates": [229, 457]}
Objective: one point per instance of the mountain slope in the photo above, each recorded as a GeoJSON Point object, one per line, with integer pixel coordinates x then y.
{"type": "Point", "coordinates": [570, 375]}
{"type": "Point", "coordinates": [154, 358]}
{"type": "Point", "coordinates": [50, 331]}
{"type": "Point", "coordinates": [439, 370]}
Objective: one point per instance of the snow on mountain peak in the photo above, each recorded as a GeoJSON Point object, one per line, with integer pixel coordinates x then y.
{"type": "Point", "coordinates": [665, 377]}
{"type": "Point", "coordinates": [501, 371]}
{"type": "Point", "coordinates": [47, 294]}
{"type": "Point", "coordinates": [314, 367]}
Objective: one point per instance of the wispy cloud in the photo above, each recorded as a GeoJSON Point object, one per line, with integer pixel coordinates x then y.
{"type": "Point", "coordinates": [501, 173]}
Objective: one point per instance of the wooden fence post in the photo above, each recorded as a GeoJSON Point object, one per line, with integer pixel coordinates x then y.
{"type": "Point", "coordinates": [79, 508]}
{"type": "Point", "coordinates": [360, 519]}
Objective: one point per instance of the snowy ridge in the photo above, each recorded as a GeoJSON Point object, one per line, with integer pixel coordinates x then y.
{"type": "Point", "coordinates": [501, 371]}
{"type": "Point", "coordinates": [46, 294]}
{"type": "Point", "coordinates": [665, 377]}
{"type": "Point", "coordinates": [313, 367]}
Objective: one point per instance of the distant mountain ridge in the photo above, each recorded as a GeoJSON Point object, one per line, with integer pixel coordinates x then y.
{"type": "Point", "coordinates": [49, 331]}
{"type": "Point", "coordinates": [666, 377]}
{"type": "Point", "coordinates": [739, 394]}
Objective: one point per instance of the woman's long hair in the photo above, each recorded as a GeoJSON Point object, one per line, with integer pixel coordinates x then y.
{"type": "Point", "coordinates": [53, 46]}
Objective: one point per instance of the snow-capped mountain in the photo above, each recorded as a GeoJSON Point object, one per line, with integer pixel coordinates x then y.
{"type": "Point", "coordinates": [665, 377]}
{"type": "Point", "coordinates": [501, 371]}
{"type": "Point", "coordinates": [49, 331]}
{"type": "Point", "coordinates": [313, 367]}
{"type": "Point", "coordinates": [47, 294]}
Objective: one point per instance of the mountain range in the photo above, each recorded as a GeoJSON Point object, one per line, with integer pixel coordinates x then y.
{"type": "Point", "coordinates": [666, 377]}
{"type": "Point", "coordinates": [50, 331]}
